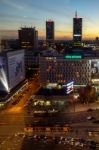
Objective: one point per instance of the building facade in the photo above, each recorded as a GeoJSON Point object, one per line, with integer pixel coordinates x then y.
{"type": "Point", "coordinates": [12, 69]}
{"type": "Point", "coordinates": [31, 59]}
{"type": "Point", "coordinates": [28, 38]}
{"type": "Point", "coordinates": [8, 44]}
{"type": "Point", "coordinates": [63, 69]}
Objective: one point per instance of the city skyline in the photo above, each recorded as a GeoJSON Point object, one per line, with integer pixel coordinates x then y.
{"type": "Point", "coordinates": [14, 15]}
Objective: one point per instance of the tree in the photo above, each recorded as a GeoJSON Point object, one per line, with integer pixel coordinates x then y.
{"type": "Point", "coordinates": [87, 94]}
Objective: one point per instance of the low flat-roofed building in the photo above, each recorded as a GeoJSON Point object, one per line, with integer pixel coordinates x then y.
{"type": "Point", "coordinates": [83, 68]}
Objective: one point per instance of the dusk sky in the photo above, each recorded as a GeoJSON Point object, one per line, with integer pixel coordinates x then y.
{"type": "Point", "coordinates": [17, 13]}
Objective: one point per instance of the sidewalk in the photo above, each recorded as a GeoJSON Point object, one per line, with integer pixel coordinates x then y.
{"type": "Point", "coordinates": [81, 107]}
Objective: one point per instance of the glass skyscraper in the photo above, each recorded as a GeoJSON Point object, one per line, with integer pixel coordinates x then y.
{"type": "Point", "coordinates": [77, 30]}
{"type": "Point", "coordinates": [49, 30]}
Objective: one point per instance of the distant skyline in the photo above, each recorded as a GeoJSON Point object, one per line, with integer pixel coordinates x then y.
{"type": "Point", "coordinates": [15, 14]}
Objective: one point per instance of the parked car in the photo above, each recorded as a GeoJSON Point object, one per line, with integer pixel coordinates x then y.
{"type": "Point", "coordinates": [90, 109]}
{"type": "Point", "coordinates": [90, 118]}
{"type": "Point", "coordinates": [96, 121]}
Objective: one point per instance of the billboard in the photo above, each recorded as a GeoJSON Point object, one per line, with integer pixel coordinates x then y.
{"type": "Point", "coordinates": [95, 69]}
{"type": "Point", "coordinates": [3, 75]}
{"type": "Point", "coordinates": [69, 87]}
{"type": "Point", "coordinates": [16, 68]}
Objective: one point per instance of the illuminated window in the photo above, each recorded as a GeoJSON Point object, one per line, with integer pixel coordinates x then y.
{"type": "Point", "coordinates": [47, 103]}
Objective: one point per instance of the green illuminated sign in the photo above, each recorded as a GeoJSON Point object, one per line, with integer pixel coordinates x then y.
{"type": "Point", "coordinates": [77, 44]}
{"type": "Point", "coordinates": [73, 56]}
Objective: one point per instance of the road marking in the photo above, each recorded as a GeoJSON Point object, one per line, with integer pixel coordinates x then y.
{"type": "Point", "coordinates": [3, 142]}
{"type": "Point", "coordinates": [8, 137]}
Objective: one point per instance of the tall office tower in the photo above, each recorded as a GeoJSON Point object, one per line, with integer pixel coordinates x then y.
{"type": "Point", "coordinates": [28, 38]}
{"type": "Point", "coordinates": [49, 31]}
{"type": "Point", "coordinates": [77, 30]}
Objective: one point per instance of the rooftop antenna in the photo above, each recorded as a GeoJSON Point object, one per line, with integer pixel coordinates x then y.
{"type": "Point", "coordinates": [76, 14]}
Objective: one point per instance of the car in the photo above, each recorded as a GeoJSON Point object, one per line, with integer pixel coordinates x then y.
{"type": "Point", "coordinates": [95, 121]}
{"type": "Point", "coordinates": [90, 109]}
{"type": "Point", "coordinates": [35, 136]}
{"type": "Point", "coordinates": [15, 102]}
{"type": "Point", "coordinates": [81, 145]}
{"type": "Point", "coordinates": [20, 134]}
{"type": "Point", "coordinates": [43, 137]}
{"type": "Point", "coordinates": [90, 118]}
{"type": "Point", "coordinates": [77, 143]}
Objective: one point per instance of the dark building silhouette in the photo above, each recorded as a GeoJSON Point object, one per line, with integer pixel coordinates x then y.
{"type": "Point", "coordinates": [97, 41]}
{"type": "Point", "coordinates": [49, 31]}
{"type": "Point", "coordinates": [9, 44]}
{"type": "Point", "coordinates": [77, 30]}
{"type": "Point", "coordinates": [28, 38]}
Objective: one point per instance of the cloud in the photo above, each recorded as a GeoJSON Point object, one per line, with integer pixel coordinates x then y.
{"type": "Point", "coordinates": [11, 16]}
{"type": "Point", "coordinates": [35, 6]}
{"type": "Point", "coordinates": [12, 4]}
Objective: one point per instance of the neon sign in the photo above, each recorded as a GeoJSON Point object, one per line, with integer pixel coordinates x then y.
{"type": "Point", "coordinates": [69, 87]}
{"type": "Point", "coordinates": [73, 56]}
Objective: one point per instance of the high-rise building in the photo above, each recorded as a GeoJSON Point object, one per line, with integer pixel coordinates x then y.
{"type": "Point", "coordinates": [49, 31]}
{"type": "Point", "coordinates": [77, 30]}
{"type": "Point", "coordinates": [28, 38]}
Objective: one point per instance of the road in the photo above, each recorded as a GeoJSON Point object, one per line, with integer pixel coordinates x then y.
{"type": "Point", "coordinates": [77, 107]}
{"type": "Point", "coordinates": [30, 143]}
{"type": "Point", "coordinates": [13, 117]}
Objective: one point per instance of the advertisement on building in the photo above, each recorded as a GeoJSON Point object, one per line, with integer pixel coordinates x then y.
{"type": "Point", "coordinates": [69, 87]}
{"type": "Point", "coordinates": [16, 68]}
{"type": "Point", "coordinates": [3, 75]}
{"type": "Point", "coordinates": [95, 71]}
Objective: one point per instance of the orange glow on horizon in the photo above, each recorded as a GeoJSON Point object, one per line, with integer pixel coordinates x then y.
{"type": "Point", "coordinates": [91, 35]}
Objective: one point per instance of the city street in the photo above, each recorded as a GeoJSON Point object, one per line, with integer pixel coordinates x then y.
{"type": "Point", "coordinates": [16, 118]}
{"type": "Point", "coordinates": [49, 75]}
{"type": "Point", "coordinates": [12, 118]}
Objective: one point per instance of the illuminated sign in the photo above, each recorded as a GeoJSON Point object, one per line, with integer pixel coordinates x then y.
{"type": "Point", "coordinates": [78, 43]}
{"type": "Point", "coordinates": [77, 35]}
{"type": "Point", "coordinates": [69, 87]}
{"type": "Point", "coordinates": [3, 79]}
{"type": "Point", "coordinates": [46, 129]}
{"type": "Point", "coordinates": [73, 56]}
{"type": "Point", "coordinates": [3, 76]}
